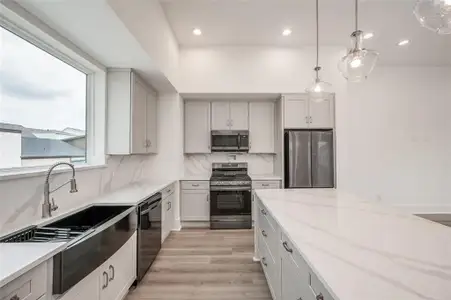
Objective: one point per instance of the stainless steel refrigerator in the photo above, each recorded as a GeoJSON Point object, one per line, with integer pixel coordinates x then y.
{"type": "Point", "coordinates": [309, 159]}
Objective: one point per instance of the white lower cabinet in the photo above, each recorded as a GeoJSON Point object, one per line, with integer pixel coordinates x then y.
{"type": "Point", "coordinates": [195, 201]}
{"type": "Point", "coordinates": [287, 273]}
{"type": "Point", "coordinates": [111, 280]}
{"type": "Point", "coordinates": [30, 286]}
{"type": "Point", "coordinates": [167, 213]}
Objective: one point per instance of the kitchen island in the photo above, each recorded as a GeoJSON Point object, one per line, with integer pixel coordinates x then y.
{"type": "Point", "coordinates": [326, 244]}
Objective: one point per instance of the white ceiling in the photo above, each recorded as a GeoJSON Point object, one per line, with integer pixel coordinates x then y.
{"type": "Point", "coordinates": [260, 23]}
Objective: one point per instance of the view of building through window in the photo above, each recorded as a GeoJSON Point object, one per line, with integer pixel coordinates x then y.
{"type": "Point", "coordinates": [42, 106]}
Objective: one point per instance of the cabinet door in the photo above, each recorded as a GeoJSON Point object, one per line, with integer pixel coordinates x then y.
{"type": "Point", "coordinates": [296, 112]}
{"type": "Point", "coordinates": [261, 127]}
{"type": "Point", "coordinates": [197, 127]}
{"type": "Point", "coordinates": [195, 205]}
{"type": "Point", "coordinates": [138, 122]}
{"type": "Point", "coordinates": [239, 115]}
{"type": "Point", "coordinates": [294, 279]}
{"type": "Point", "coordinates": [220, 115]}
{"type": "Point", "coordinates": [121, 270]}
{"type": "Point", "coordinates": [168, 216]}
{"type": "Point", "coordinates": [322, 113]}
{"type": "Point", "coordinates": [151, 117]}
{"type": "Point", "coordinates": [87, 289]}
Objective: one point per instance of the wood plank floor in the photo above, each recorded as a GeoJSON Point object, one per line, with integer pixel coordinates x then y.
{"type": "Point", "coordinates": [203, 264]}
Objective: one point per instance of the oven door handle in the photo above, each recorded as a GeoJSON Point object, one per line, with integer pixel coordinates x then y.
{"type": "Point", "coordinates": [239, 141]}
{"type": "Point", "coordinates": [230, 188]}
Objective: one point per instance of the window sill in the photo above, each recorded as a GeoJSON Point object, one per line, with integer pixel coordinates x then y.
{"type": "Point", "coordinates": [21, 173]}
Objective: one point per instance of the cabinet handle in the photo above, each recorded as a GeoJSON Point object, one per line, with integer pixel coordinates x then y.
{"type": "Point", "coordinates": [264, 233]}
{"type": "Point", "coordinates": [105, 282]}
{"type": "Point", "coordinates": [310, 119]}
{"type": "Point", "coordinates": [264, 261]}
{"type": "Point", "coordinates": [112, 273]}
{"type": "Point", "coordinates": [285, 245]}
{"type": "Point", "coordinates": [320, 297]}
{"type": "Point", "coordinates": [195, 185]}
{"type": "Point", "coordinates": [263, 211]}
{"type": "Point", "coordinates": [307, 119]}
{"type": "Point", "coordinates": [265, 184]}
{"type": "Point", "coordinates": [169, 206]}
{"type": "Point", "coordinates": [208, 198]}
{"type": "Point", "coordinates": [15, 297]}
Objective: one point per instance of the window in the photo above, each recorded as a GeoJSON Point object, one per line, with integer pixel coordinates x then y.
{"type": "Point", "coordinates": [43, 106]}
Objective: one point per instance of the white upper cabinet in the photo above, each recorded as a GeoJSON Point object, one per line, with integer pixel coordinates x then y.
{"type": "Point", "coordinates": [151, 132]}
{"type": "Point", "coordinates": [197, 127]}
{"type": "Point", "coordinates": [322, 113]}
{"type": "Point", "coordinates": [296, 111]}
{"type": "Point", "coordinates": [239, 115]}
{"type": "Point", "coordinates": [261, 127]}
{"type": "Point", "coordinates": [230, 115]}
{"type": "Point", "coordinates": [300, 112]}
{"type": "Point", "coordinates": [220, 115]}
{"type": "Point", "coordinates": [131, 115]}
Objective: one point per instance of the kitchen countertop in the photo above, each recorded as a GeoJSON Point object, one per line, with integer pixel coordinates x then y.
{"type": "Point", "coordinates": [196, 178]}
{"type": "Point", "coordinates": [363, 249]}
{"type": "Point", "coordinates": [28, 255]}
{"type": "Point", "coordinates": [265, 177]}
{"type": "Point", "coordinates": [17, 259]}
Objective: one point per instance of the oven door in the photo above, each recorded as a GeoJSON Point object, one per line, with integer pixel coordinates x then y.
{"type": "Point", "coordinates": [224, 141]}
{"type": "Point", "coordinates": [230, 209]}
{"type": "Point", "coordinates": [230, 202]}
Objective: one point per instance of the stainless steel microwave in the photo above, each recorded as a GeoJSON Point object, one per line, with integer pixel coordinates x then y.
{"type": "Point", "coordinates": [230, 141]}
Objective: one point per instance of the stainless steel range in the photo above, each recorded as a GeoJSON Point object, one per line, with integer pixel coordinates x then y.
{"type": "Point", "coordinates": [230, 195]}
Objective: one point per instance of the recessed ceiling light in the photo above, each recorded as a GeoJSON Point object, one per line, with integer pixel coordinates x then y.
{"type": "Point", "coordinates": [197, 31]}
{"type": "Point", "coordinates": [403, 42]}
{"type": "Point", "coordinates": [368, 35]}
{"type": "Point", "coordinates": [286, 32]}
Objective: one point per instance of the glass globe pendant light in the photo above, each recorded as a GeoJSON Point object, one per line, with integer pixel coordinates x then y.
{"type": "Point", "coordinates": [319, 90]}
{"type": "Point", "coordinates": [359, 62]}
{"type": "Point", "coordinates": [434, 15]}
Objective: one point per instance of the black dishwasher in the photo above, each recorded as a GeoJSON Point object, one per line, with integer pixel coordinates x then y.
{"type": "Point", "coordinates": [149, 233]}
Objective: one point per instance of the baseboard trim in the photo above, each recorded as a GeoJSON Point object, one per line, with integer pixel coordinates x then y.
{"type": "Point", "coordinates": [195, 224]}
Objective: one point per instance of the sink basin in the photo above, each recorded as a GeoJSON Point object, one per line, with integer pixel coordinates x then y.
{"type": "Point", "coordinates": [89, 218]}
{"type": "Point", "coordinates": [67, 228]}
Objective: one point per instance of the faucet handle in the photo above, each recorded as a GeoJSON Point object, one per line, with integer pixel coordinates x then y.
{"type": "Point", "coordinates": [53, 207]}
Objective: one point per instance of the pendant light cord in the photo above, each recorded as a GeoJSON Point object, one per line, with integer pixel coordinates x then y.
{"type": "Point", "coordinates": [356, 15]}
{"type": "Point", "coordinates": [317, 38]}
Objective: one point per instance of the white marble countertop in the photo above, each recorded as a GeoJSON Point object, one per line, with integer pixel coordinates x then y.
{"type": "Point", "coordinates": [17, 259]}
{"type": "Point", "coordinates": [362, 249]}
{"type": "Point", "coordinates": [265, 177]}
{"type": "Point", "coordinates": [205, 177]}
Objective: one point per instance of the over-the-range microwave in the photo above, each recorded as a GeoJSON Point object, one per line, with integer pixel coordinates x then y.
{"type": "Point", "coordinates": [230, 141]}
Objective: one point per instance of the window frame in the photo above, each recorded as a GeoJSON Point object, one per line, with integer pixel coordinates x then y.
{"type": "Point", "coordinates": [26, 26]}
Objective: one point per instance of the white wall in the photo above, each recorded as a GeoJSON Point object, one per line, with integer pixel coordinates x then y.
{"type": "Point", "coordinates": [254, 69]}
{"type": "Point", "coordinates": [10, 149]}
{"type": "Point", "coordinates": [146, 20]}
{"type": "Point", "coordinates": [396, 143]}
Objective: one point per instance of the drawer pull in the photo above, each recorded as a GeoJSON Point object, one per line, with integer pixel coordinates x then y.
{"type": "Point", "coordinates": [264, 233]}
{"type": "Point", "coordinates": [15, 297]}
{"type": "Point", "coordinates": [285, 245]}
{"type": "Point", "coordinates": [168, 191]}
{"type": "Point", "coordinates": [264, 261]}
{"type": "Point", "coordinates": [263, 211]}
{"type": "Point", "coordinates": [320, 297]}
{"type": "Point", "coordinates": [195, 184]}
{"type": "Point", "coordinates": [265, 184]}
{"type": "Point", "coordinates": [112, 272]}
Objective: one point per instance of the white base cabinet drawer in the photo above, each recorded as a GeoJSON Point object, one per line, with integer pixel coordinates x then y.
{"type": "Point", "coordinates": [265, 184]}
{"type": "Point", "coordinates": [195, 185]}
{"type": "Point", "coordinates": [30, 286]}
{"type": "Point", "coordinates": [270, 267]}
